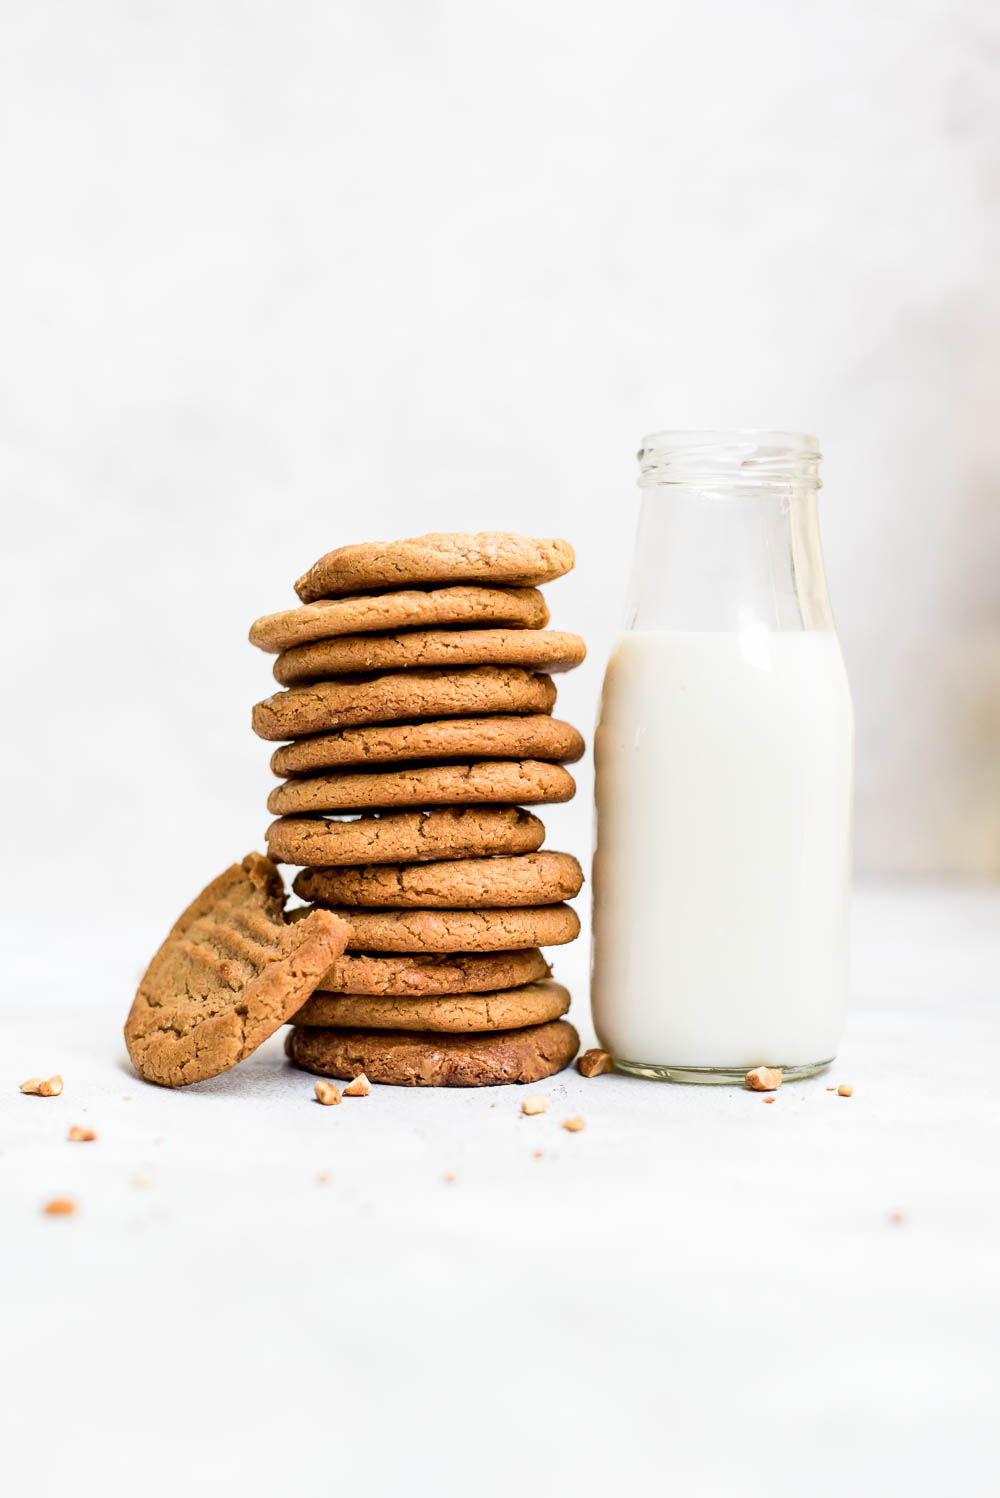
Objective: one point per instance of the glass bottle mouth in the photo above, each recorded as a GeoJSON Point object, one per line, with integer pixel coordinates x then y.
{"type": "Point", "coordinates": [741, 457]}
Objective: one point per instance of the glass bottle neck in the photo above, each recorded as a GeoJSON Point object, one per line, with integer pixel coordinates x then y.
{"type": "Point", "coordinates": [712, 557]}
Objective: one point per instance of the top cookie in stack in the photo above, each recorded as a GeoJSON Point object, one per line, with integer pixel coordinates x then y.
{"type": "Point", "coordinates": [418, 697]}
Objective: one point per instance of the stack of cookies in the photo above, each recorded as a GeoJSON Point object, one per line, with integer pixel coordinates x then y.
{"type": "Point", "coordinates": [416, 705]}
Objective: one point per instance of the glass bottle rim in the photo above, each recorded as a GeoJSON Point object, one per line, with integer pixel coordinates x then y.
{"type": "Point", "coordinates": [731, 457]}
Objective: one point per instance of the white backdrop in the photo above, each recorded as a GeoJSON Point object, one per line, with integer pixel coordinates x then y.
{"type": "Point", "coordinates": [279, 277]}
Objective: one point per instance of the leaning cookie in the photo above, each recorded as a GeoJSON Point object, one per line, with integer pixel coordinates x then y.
{"type": "Point", "coordinates": [460, 930]}
{"type": "Point", "coordinates": [405, 836]}
{"type": "Point", "coordinates": [230, 973]}
{"type": "Point", "coordinates": [459, 1014]}
{"type": "Point", "coordinates": [504, 736]}
{"type": "Point", "coordinates": [399, 696]}
{"type": "Point", "coordinates": [443, 557]}
{"type": "Point", "coordinates": [532, 649]}
{"type": "Point", "coordinates": [521, 608]}
{"type": "Point", "coordinates": [452, 884]}
{"type": "Point", "coordinates": [527, 782]}
{"type": "Point", "coordinates": [425, 1060]}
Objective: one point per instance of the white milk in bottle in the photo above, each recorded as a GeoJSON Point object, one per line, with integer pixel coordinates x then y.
{"type": "Point", "coordinates": [724, 758]}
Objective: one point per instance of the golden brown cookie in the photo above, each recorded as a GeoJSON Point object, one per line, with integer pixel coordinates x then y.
{"type": "Point", "coordinates": [490, 557]}
{"type": "Point", "coordinates": [229, 974]}
{"type": "Point", "coordinates": [405, 836]}
{"type": "Point", "coordinates": [459, 930]}
{"type": "Point", "coordinates": [521, 608]}
{"type": "Point", "coordinates": [499, 737]}
{"type": "Point", "coordinates": [460, 1014]}
{"type": "Point", "coordinates": [454, 884]}
{"type": "Point", "coordinates": [427, 974]}
{"type": "Point", "coordinates": [532, 649]}
{"type": "Point", "coordinates": [409, 1059]}
{"type": "Point", "coordinates": [496, 781]}
{"type": "Point", "coordinates": [400, 695]}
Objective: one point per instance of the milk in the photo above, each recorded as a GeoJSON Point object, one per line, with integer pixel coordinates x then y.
{"type": "Point", "coordinates": [722, 870]}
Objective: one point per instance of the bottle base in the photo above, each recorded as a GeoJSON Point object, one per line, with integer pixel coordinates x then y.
{"type": "Point", "coordinates": [718, 1076]}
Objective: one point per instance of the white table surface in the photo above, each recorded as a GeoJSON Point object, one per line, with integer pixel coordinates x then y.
{"type": "Point", "coordinates": [696, 1290]}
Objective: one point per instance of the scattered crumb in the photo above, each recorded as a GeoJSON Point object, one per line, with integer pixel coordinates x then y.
{"type": "Point", "coordinates": [574, 1125]}
{"type": "Point", "coordinates": [327, 1094]}
{"type": "Point", "coordinates": [450, 1178]}
{"type": "Point", "coordinates": [536, 1154]}
{"type": "Point", "coordinates": [844, 1090]}
{"type": "Point", "coordinates": [142, 1180]}
{"type": "Point", "coordinates": [40, 1088]}
{"type": "Point", "coordinates": [324, 1178]}
{"type": "Point", "coordinates": [764, 1078]}
{"type": "Point", "coordinates": [82, 1136]}
{"type": "Point", "coordinates": [594, 1063]}
{"type": "Point", "coordinates": [492, 1105]}
{"type": "Point", "coordinates": [60, 1206]}
{"type": "Point", "coordinates": [833, 1088]}
{"type": "Point", "coordinates": [360, 1087]}
{"type": "Point", "coordinates": [127, 1098]}
{"type": "Point", "coordinates": [897, 1218]}
{"type": "Point", "coordinates": [769, 1099]}
{"type": "Point", "coordinates": [533, 1105]}
{"type": "Point", "coordinates": [158, 1139]}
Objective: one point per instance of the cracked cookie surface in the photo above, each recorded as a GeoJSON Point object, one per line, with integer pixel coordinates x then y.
{"type": "Point", "coordinates": [396, 696]}
{"type": "Point", "coordinates": [457, 883]}
{"type": "Point", "coordinates": [507, 1009]}
{"type": "Point", "coordinates": [430, 974]}
{"type": "Point", "coordinates": [459, 930]}
{"type": "Point", "coordinates": [530, 782]}
{"type": "Point", "coordinates": [504, 736]}
{"type": "Point", "coordinates": [405, 836]}
{"type": "Point", "coordinates": [439, 557]}
{"type": "Point", "coordinates": [532, 649]}
{"type": "Point", "coordinates": [411, 1059]}
{"type": "Point", "coordinates": [229, 974]}
{"type": "Point", "coordinates": [414, 608]}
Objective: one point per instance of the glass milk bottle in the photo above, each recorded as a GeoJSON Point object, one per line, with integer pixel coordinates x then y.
{"type": "Point", "coordinates": [724, 773]}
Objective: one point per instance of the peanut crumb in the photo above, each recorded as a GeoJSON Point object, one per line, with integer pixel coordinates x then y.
{"type": "Point", "coordinates": [142, 1180]}
{"type": "Point", "coordinates": [536, 1154]}
{"type": "Point", "coordinates": [594, 1063]}
{"type": "Point", "coordinates": [769, 1099]}
{"type": "Point", "coordinates": [573, 1125]}
{"type": "Point", "coordinates": [533, 1105]}
{"type": "Point", "coordinates": [764, 1078]}
{"type": "Point", "coordinates": [324, 1178]}
{"type": "Point", "coordinates": [60, 1206]}
{"type": "Point", "coordinates": [327, 1094]}
{"type": "Point", "coordinates": [451, 1178]}
{"type": "Point", "coordinates": [360, 1087]}
{"type": "Point", "coordinates": [833, 1088]}
{"type": "Point", "coordinates": [82, 1136]}
{"type": "Point", "coordinates": [41, 1088]}
{"type": "Point", "coordinates": [844, 1090]}
{"type": "Point", "coordinates": [897, 1218]}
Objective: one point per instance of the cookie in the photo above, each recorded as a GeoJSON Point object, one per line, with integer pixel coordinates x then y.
{"type": "Point", "coordinates": [532, 649]}
{"type": "Point", "coordinates": [511, 1009]}
{"type": "Point", "coordinates": [454, 884]}
{"type": "Point", "coordinates": [405, 836]}
{"type": "Point", "coordinates": [409, 1059]}
{"type": "Point", "coordinates": [459, 930]}
{"type": "Point", "coordinates": [229, 974]}
{"type": "Point", "coordinates": [521, 608]}
{"type": "Point", "coordinates": [417, 975]}
{"type": "Point", "coordinates": [499, 780]}
{"type": "Point", "coordinates": [396, 696]}
{"type": "Point", "coordinates": [445, 557]}
{"type": "Point", "coordinates": [499, 737]}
